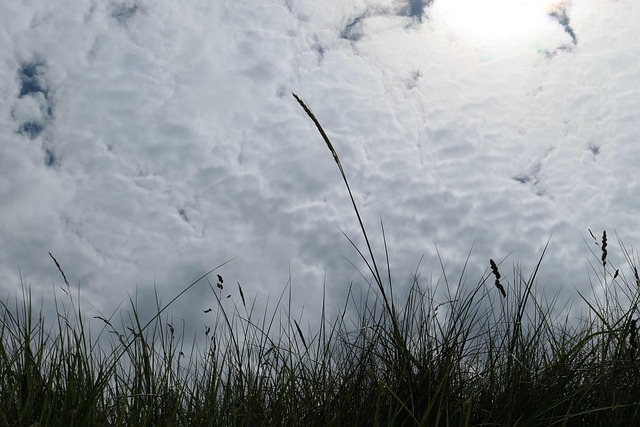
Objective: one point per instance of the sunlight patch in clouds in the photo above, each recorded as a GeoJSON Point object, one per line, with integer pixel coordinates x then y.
{"type": "Point", "coordinates": [496, 23]}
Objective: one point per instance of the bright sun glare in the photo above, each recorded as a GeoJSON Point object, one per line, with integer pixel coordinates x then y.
{"type": "Point", "coordinates": [502, 21]}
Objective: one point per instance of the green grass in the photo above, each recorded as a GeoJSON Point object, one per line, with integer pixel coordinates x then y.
{"type": "Point", "coordinates": [493, 353]}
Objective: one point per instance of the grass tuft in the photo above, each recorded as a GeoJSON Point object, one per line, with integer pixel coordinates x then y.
{"type": "Point", "coordinates": [443, 354]}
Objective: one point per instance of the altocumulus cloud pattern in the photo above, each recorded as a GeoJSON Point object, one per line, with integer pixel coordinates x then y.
{"type": "Point", "coordinates": [144, 142]}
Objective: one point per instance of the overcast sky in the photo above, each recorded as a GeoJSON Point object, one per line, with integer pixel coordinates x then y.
{"type": "Point", "coordinates": [145, 142]}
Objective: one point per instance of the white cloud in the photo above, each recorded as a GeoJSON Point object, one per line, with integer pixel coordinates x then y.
{"type": "Point", "coordinates": [174, 144]}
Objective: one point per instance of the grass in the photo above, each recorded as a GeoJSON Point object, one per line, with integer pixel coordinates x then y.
{"type": "Point", "coordinates": [492, 353]}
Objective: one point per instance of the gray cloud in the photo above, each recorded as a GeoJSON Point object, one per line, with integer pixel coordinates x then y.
{"type": "Point", "coordinates": [124, 12]}
{"type": "Point", "coordinates": [353, 29]}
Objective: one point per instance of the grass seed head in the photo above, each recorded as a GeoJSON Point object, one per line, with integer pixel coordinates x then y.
{"type": "Point", "coordinates": [496, 273]}
{"type": "Point", "coordinates": [242, 295]}
{"type": "Point", "coordinates": [604, 248]}
{"type": "Point", "coordinates": [64, 276]}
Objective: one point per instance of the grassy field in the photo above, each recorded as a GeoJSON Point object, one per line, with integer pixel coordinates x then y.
{"type": "Point", "coordinates": [490, 353]}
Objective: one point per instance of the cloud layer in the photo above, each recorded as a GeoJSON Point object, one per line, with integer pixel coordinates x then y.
{"type": "Point", "coordinates": [146, 143]}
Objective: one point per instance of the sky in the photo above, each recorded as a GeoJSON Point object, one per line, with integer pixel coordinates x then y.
{"type": "Point", "coordinates": [146, 142]}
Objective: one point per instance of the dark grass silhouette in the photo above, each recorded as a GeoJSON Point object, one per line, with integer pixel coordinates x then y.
{"type": "Point", "coordinates": [486, 354]}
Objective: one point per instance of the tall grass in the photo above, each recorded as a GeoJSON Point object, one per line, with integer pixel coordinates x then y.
{"type": "Point", "coordinates": [491, 353]}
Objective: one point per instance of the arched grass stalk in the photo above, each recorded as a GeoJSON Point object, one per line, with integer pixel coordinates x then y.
{"type": "Point", "coordinates": [372, 265]}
